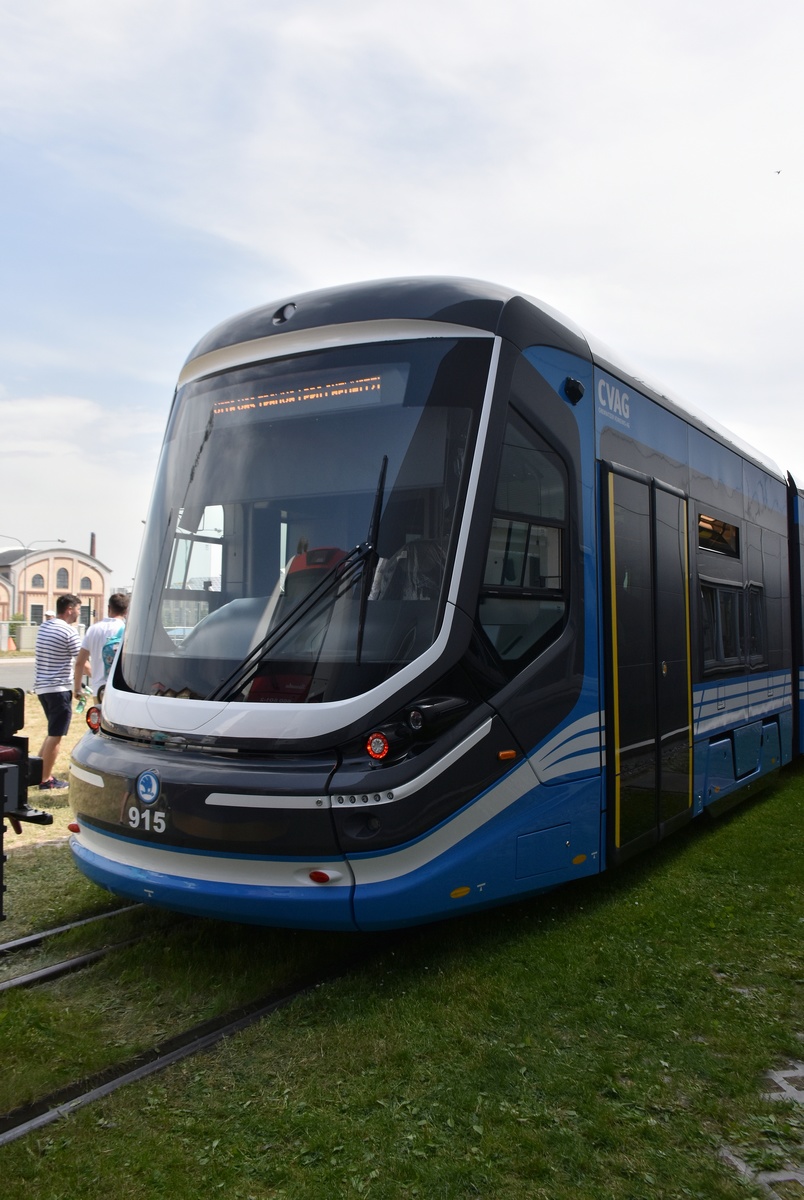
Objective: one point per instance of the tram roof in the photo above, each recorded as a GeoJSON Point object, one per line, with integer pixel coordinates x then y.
{"type": "Point", "coordinates": [463, 302]}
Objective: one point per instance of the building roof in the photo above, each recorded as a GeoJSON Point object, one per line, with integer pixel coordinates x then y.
{"type": "Point", "coordinates": [16, 553]}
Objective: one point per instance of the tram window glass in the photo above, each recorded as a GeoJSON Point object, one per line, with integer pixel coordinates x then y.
{"type": "Point", "coordinates": [197, 548]}
{"type": "Point", "coordinates": [731, 625]}
{"type": "Point", "coordinates": [523, 555]}
{"type": "Point", "coordinates": [709, 625]}
{"type": "Point", "coordinates": [522, 602]}
{"type": "Point", "coordinates": [718, 536]}
{"type": "Point", "coordinates": [269, 480]}
{"type": "Point", "coordinates": [195, 570]}
{"type": "Point", "coordinates": [757, 644]}
{"type": "Point", "coordinates": [723, 611]}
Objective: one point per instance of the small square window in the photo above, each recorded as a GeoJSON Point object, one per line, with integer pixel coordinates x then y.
{"type": "Point", "coordinates": [718, 536]}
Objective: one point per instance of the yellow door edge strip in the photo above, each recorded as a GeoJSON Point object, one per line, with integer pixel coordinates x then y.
{"type": "Point", "coordinates": [615, 674]}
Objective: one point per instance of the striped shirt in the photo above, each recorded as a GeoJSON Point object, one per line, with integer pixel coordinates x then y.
{"type": "Point", "coordinates": [56, 646]}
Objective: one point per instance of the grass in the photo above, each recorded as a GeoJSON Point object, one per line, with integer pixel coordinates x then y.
{"type": "Point", "coordinates": [45, 890]}
{"type": "Point", "coordinates": [603, 1041]}
{"type": "Point", "coordinates": [140, 995]}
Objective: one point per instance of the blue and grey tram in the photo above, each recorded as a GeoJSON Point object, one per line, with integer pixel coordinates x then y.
{"type": "Point", "coordinates": [438, 606]}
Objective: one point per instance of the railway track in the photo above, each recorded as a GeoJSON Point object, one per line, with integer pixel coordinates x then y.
{"type": "Point", "coordinates": [55, 970]}
{"type": "Point", "coordinates": [65, 967]}
{"type": "Point", "coordinates": [36, 939]}
{"type": "Point", "coordinates": [59, 1104]}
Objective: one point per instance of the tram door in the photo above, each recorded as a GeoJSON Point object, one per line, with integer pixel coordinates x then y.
{"type": "Point", "coordinates": [649, 701]}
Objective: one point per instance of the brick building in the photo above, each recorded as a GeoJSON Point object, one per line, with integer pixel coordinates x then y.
{"type": "Point", "coordinates": [31, 580]}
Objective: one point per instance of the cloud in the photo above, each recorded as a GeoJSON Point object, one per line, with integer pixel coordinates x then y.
{"type": "Point", "coordinates": [78, 467]}
{"type": "Point", "coordinates": [170, 165]}
{"type": "Point", "coordinates": [347, 139]}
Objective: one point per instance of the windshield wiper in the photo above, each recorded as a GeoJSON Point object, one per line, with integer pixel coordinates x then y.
{"type": "Point", "coordinates": [339, 579]}
{"type": "Point", "coordinates": [343, 574]}
{"type": "Point", "coordinates": [372, 557]}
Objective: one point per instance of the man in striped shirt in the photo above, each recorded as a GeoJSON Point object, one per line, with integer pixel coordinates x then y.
{"type": "Point", "coordinates": [56, 647]}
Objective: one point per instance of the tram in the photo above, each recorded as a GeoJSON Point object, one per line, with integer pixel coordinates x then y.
{"type": "Point", "coordinates": [439, 605]}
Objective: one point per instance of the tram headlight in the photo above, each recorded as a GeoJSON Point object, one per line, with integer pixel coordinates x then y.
{"type": "Point", "coordinates": [431, 714]}
{"type": "Point", "coordinates": [408, 731]}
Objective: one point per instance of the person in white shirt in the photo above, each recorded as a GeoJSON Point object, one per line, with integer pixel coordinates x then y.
{"type": "Point", "coordinates": [95, 638]}
{"type": "Point", "coordinates": [56, 647]}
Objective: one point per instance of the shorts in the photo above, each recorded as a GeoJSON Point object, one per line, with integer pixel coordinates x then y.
{"type": "Point", "coordinates": [58, 708]}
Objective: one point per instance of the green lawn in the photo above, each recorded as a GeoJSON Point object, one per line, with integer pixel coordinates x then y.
{"type": "Point", "coordinates": [604, 1041]}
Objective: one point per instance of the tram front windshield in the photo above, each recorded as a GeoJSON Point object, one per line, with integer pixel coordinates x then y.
{"type": "Point", "coordinates": [303, 523]}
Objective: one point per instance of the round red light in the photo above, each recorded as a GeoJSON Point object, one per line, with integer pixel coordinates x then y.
{"type": "Point", "coordinates": [319, 877]}
{"type": "Point", "coordinates": [73, 827]}
{"type": "Point", "coordinates": [94, 718]}
{"type": "Point", "coordinates": [377, 745]}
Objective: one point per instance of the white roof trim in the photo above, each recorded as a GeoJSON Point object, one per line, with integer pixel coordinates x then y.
{"type": "Point", "coordinates": [322, 337]}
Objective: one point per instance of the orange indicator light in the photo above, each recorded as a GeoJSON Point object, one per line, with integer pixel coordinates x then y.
{"type": "Point", "coordinates": [505, 755]}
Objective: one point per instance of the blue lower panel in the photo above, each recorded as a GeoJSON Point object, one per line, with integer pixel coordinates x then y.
{"type": "Point", "coordinates": [786, 736]}
{"type": "Point", "coordinates": [519, 839]}
{"type": "Point", "coordinates": [729, 763]}
{"type": "Point", "coordinates": [550, 837]}
{"type": "Point", "coordinates": [286, 907]}
{"type": "Point", "coordinates": [440, 891]}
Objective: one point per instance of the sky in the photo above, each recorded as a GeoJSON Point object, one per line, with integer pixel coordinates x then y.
{"type": "Point", "coordinates": [166, 164]}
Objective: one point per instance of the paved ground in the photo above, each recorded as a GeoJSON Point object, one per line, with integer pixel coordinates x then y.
{"type": "Point", "coordinates": [787, 1084]}
{"type": "Point", "coordinates": [16, 672]}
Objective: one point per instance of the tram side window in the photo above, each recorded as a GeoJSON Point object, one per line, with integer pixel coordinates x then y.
{"type": "Point", "coordinates": [757, 642]}
{"type": "Point", "coordinates": [195, 572]}
{"type": "Point", "coordinates": [721, 537]}
{"type": "Point", "coordinates": [522, 600]}
{"type": "Point", "coordinates": [733, 626]}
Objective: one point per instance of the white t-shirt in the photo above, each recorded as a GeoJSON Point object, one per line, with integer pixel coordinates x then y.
{"type": "Point", "coordinates": [95, 639]}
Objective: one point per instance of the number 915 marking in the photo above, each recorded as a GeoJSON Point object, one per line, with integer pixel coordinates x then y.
{"type": "Point", "coordinates": [152, 821]}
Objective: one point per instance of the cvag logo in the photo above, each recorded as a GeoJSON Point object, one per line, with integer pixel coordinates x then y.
{"type": "Point", "coordinates": [612, 401]}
